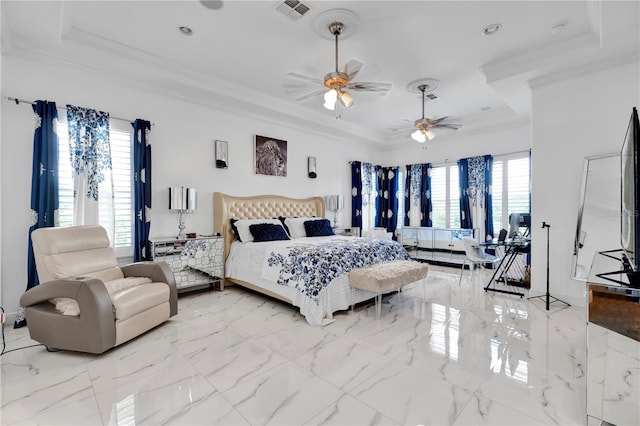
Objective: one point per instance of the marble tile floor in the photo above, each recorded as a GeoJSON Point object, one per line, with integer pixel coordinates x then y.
{"type": "Point", "coordinates": [460, 357]}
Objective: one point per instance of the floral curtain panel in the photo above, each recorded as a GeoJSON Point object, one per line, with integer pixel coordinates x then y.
{"type": "Point", "coordinates": [44, 184]}
{"type": "Point", "coordinates": [475, 195]}
{"type": "Point", "coordinates": [141, 189]}
{"type": "Point", "coordinates": [91, 166]}
{"type": "Point", "coordinates": [417, 203]}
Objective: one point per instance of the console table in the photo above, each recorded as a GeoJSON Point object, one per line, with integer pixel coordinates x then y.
{"type": "Point", "coordinates": [196, 262]}
{"type": "Point", "coordinates": [437, 245]}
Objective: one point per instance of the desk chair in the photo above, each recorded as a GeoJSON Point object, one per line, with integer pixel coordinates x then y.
{"type": "Point", "coordinates": [475, 256]}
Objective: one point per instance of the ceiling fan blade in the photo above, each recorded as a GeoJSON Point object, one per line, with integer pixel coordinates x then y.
{"type": "Point", "coordinates": [303, 77]}
{"type": "Point", "coordinates": [351, 68]}
{"type": "Point", "coordinates": [451, 126]}
{"type": "Point", "coordinates": [435, 121]}
{"type": "Point", "coordinates": [370, 87]}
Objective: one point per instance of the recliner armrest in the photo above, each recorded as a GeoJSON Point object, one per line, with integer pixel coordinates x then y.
{"type": "Point", "coordinates": [157, 272]}
{"type": "Point", "coordinates": [80, 289]}
{"type": "Point", "coordinates": [94, 327]}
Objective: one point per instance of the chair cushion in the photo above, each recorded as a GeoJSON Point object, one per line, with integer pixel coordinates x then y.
{"type": "Point", "coordinates": [131, 301]}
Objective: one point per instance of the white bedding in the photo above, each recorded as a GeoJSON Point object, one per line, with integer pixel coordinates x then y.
{"type": "Point", "coordinates": [247, 262]}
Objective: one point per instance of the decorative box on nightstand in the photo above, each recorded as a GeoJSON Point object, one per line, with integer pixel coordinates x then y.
{"type": "Point", "coordinates": [195, 262]}
{"type": "Point", "coordinates": [352, 231]}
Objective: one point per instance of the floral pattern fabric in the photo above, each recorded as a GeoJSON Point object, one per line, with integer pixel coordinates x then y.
{"type": "Point", "coordinates": [311, 267]}
{"type": "Point", "coordinates": [89, 145]}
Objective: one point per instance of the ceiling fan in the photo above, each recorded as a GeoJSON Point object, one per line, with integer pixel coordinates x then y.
{"type": "Point", "coordinates": [337, 84]}
{"type": "Point", "coordinates": [425, 127]}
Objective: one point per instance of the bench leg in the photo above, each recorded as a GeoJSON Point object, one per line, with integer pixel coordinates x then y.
{"type": "Point", "coordinates": [378, 305]}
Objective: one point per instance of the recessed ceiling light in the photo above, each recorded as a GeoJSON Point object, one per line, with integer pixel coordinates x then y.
{"type": "Point", "coordinates": [212, 4]}
{"type": "Point", "coordinates": [185, 30]}
{"type": "Point", "coordinates": [491, 29]}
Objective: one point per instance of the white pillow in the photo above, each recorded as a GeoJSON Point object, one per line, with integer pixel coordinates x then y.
{"type": "Point", "coordinates": [242, 226]}
{"type": "Point", "coordinates": [296, 225]}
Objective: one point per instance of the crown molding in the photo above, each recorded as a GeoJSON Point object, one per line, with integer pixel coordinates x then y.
{"type": "Point", "coordinates": [595, 66]}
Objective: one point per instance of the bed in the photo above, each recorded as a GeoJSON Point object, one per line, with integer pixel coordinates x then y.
{"type": "Point", "coordinates": [310, 273]}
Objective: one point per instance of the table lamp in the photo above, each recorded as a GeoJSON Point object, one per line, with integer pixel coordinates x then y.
{"type": "Point", "coordinates": [182, 201]}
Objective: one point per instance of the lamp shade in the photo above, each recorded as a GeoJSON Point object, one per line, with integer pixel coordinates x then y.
{"type": "Point", "coordinates": [181, 198]}
{"type": "Point", "coordinates": [334, 202]}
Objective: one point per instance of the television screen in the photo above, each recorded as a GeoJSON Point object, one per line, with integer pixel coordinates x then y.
{"type": "Point", "coordinates": [629, 219]}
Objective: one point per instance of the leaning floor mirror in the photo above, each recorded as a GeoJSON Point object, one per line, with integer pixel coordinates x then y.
{"type": "Point", "coordinates": [598, 226]}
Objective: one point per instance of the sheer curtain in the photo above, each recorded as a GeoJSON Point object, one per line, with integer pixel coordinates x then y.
{"type": "Point", "coordinates": [141, 189]}
{"type": "Point", "coordinates": [44, 184]}
{"type": "Point", "coordinates": [91, 164]}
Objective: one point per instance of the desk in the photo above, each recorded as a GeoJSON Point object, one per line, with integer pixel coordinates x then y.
{"type": "Point", "coordinates": [511, 250]}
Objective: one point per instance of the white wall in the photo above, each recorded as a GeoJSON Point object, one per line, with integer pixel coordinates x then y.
{"type": "Point", "coordinates": [572, 118]}
{"type": "Point", "coordinates": [182, 141]}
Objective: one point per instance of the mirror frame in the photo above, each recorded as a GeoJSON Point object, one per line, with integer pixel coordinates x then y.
{"type": "Point", "coordinates": [583, 193]}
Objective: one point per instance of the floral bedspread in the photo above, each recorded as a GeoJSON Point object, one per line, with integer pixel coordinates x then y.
{"type": "Point", "coordinates": [311, 267]}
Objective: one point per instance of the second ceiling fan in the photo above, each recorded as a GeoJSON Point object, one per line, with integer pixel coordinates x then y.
{"type": "Point", "coordinates": [425, 127]}
{"type": "Point", "coordinates": [337, 84]}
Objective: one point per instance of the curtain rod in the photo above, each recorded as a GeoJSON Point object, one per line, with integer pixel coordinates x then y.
{"type": "Point", "coordinates": [24, 101]}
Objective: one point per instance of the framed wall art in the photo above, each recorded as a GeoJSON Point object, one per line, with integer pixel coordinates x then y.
{"type": "Point", "coordinates": [222, 154]}
{"type": "Point", "coordinates": [270, 156]}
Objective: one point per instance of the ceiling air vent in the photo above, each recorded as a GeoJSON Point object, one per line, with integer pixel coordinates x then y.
{"type": "Point", "coordinates": [430, 97]}
{"type": "Point", "coordinates": [293, 9]}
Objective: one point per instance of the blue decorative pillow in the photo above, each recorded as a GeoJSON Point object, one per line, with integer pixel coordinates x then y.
{"type": "Point", "coordinates": [318, 228]}
{"type": "Point", "coordinates": [268, 232]}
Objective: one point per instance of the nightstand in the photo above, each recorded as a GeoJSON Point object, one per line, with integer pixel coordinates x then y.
{"type": "Point", "coordinates": [195, 262]}
{"type": "Point", "coordinates": [352, 231]}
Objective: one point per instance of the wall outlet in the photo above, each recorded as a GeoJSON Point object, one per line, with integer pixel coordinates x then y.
{"type": "Point", "coordinates": [2, 317]}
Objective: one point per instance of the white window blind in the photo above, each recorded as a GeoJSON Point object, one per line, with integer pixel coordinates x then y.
{"type": "Point", "coordinates": [518, 185]}
{"type": "Point", "coordinates": [121, 158]}
{"type": "Point", "coordinates": [439, 197]}
{"type": "Point", "coordinates": [454, 197]}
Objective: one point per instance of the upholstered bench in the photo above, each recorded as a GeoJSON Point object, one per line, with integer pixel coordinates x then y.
{"type": "Point", "coordinates": [384, 277]}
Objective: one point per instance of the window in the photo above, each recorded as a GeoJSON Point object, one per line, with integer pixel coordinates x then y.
{"type": "Point", "coordinates": [445, 196]}
{"type": "Point", "coordinates": [121, 161]}
{"type": "Point", "coordinates": [511, 188]}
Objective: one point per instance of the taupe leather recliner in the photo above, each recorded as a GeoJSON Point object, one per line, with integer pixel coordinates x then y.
{"type": "Point", "coordinates": [104, 305]}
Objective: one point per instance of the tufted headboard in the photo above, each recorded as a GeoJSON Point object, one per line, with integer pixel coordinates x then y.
{"type": "Point", "coordinates": [226, 207]}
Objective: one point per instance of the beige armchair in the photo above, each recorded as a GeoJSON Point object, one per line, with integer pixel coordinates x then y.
{"type": "Point", "coordinates": [85, 302]}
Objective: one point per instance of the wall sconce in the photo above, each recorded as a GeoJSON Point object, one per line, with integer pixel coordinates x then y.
{"type": "Point", "coordinates": [334, 203]}
{"type": "Point", "coordinates": [182, 201]}
{"type": "Point", "coordinates": [311, 167]}
{"type": "Point", "coordinates": [222, 154]}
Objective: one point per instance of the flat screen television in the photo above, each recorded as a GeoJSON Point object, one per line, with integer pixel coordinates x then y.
{"type": "Point", "coordinates": [630, 201]}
